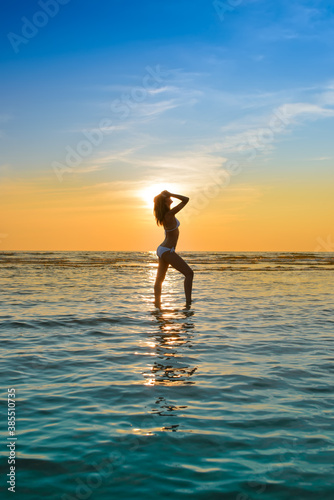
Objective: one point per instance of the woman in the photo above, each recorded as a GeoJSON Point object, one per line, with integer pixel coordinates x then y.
{"type": "Point", "coordinates": [166, 251]}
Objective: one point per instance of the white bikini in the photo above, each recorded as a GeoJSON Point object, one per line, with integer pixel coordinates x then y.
{"type": "Point", "coordinates": [161, 249]}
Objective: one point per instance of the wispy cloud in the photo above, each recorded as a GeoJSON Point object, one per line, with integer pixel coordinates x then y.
{"type": "Point", "coordinates": [320, 158]}
{"type": "Point", "coordinates": [200, 160]}
{"type": "Point", "coordinates": [306, 110]}
{"type": "Point", "coordinates": [116, 89]}
{"type": "Point", "coordinates": [298, 22]}
{"type": "Point", "coordinates": [149, 110]}
{"type": "Point", "coordinates": [245, 131]}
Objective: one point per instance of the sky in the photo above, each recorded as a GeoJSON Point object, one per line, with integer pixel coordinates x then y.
{"type": "Point", "coordinates": [104, 104]}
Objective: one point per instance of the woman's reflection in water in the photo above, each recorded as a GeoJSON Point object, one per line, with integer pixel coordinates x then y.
{"type": "Point", "coordinates": [172, 366]}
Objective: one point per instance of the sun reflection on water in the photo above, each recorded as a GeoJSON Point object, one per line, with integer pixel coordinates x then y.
{"type": "Point", "coordinates": [166, 350]}
{"type": "Point", "coordinates": [174, 332]}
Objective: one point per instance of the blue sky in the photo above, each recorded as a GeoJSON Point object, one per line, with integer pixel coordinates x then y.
{"type": "Point", "coordinates": [262, 55]}
{"type": "Point", "coordinates": [224, 80]}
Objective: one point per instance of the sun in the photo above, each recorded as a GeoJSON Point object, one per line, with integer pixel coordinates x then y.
{"type": "Point", "coordinates": [148, 193]}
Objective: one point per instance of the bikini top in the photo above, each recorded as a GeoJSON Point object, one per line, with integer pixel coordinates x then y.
{"type": "Point", "coordinates": [177, 225]}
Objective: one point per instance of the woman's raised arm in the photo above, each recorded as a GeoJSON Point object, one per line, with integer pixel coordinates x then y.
{"type": "Point", "coordinates": [184, 201]}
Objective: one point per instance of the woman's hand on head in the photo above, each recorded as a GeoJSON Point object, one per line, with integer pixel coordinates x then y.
{"type": "Point", "coordinates": [165, 193]}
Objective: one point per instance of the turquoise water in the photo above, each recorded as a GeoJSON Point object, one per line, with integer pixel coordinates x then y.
{"type": "Point", "coordinates": [232, 399]}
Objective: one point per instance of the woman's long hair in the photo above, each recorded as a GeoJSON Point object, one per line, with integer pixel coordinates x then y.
{"type": "Point", "coordinates": [160, 208]}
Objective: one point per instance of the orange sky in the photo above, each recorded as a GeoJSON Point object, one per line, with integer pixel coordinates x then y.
{"type": "Point", "coordinates": [116, 216]}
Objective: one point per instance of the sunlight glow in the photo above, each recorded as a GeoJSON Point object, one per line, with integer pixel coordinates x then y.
{"type": "Point", "coordinates": [147, 194]}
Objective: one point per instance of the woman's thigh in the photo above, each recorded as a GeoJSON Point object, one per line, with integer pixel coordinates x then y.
{"type": "Point", "coordinates": [177, 262]}
{"type": "Point", "coordinates": [162, 269]}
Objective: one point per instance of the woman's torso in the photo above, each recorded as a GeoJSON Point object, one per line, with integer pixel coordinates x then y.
{"type": "Point", "coordinates": [171, 227]}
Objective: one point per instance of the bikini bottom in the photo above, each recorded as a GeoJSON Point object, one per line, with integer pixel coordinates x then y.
{"type": "Point", "coordinates": [161, 250]}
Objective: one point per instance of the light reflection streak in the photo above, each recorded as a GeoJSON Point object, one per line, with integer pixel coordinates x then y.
{"type": "Point", "coordinates": [167, 345]}
{"type": "Point", "coordinates": [171, 337]}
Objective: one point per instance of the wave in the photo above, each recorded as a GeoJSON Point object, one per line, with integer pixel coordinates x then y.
{"type": "Point", "coordinates": [245, 261]}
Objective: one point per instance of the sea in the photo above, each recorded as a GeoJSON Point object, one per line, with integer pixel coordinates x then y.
{"type": "Point", "coordinates": [115, 399]}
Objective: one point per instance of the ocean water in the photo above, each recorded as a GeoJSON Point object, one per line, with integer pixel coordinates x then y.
{"type": "Point", "coordinates": [231, 399]}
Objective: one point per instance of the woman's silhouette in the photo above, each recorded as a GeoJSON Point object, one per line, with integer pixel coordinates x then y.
{"type": "Point", "coordinates": [166, 251]}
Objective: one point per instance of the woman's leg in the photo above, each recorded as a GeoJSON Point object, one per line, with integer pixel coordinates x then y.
{"type": "Point", "coordinates": [180, 265]}
{"type": "Point", "coordinates": [162, 269]}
